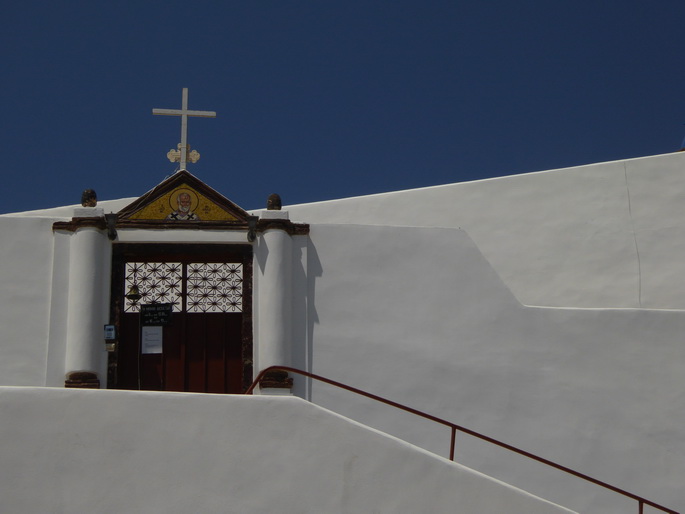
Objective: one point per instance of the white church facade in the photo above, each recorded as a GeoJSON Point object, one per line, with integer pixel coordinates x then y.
{"type": "Point", "coordinates": [546, 310]}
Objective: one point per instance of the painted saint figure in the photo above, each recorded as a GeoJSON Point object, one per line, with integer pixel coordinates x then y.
{"type": "Point", "coordinates": [183, 212]}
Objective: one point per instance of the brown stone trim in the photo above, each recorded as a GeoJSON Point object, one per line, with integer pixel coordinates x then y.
{"type": "Point", "coordinates": [82, 380]}
{"type": "Point", "coordinates": [276, 379]}
{"type": "Point", "coordinates": [248, 334]}
{"type": "Point", "coordinates": [77, 223]}
{"type": "Point", "coordinates": [294, 229]}
{"type": "Point", "coordinates": [183, 225]}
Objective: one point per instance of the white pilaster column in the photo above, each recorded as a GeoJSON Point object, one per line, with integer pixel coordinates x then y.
{"type": "Point", "coordinates": [85, 309]}
{"type": "Point", "coordinates": [274, 257]}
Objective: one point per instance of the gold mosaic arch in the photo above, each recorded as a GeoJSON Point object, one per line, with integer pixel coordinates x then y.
{"type": "Point", "coordinates": [202, 208]}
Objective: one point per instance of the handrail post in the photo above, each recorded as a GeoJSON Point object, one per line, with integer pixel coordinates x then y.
{"type": "Point", "coordinates": [454, 436]}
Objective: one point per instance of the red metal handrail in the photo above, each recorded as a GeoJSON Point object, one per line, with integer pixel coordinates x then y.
{"type": "Point", "coordinates": [454, 428]}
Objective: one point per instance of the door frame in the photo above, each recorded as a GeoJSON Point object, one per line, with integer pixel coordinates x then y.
{"type": "Point", "coordinates": [127, 252]}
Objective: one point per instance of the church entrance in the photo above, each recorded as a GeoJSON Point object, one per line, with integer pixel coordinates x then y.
{"type": "Point", "coordinates": [205, 343]}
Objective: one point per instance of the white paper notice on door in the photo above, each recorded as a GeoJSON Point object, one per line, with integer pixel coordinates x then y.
{"type": "Point", "coordinates": [151, 340]}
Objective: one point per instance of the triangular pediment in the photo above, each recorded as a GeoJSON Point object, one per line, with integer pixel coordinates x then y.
{"type": "Point", "coordinates": [183, 200]}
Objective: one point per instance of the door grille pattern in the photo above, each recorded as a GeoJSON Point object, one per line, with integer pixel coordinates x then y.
{"type": "Point", "coordinates": [215, 287]}
{"type": "Point", "coordinates": [158, 282]}
{"type": "Point", "coordinates": [193, 288]}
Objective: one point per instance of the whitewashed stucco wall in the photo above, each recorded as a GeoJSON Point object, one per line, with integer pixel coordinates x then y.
{"type": "Point", "coordinates": [432, 317]}
{"type": "Point", "coordinates": [34, 286]}
{"type": "Point", "coordinates": [602, 235]}
{"type": "Point", "coordinates": [113, 451]}
{"type": "Point", "coordinates": [25, 284]}
{"type": "Point", "coordinates": [419, 316]}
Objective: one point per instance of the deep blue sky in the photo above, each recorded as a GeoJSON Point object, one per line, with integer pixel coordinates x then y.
{"type": "Point", "coordinates": [319, 99]}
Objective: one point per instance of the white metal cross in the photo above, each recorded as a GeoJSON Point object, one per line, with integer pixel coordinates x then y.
{"type": "Point", "coordinates": [184, 113]}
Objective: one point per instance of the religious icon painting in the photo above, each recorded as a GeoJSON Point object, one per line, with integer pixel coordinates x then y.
{"type": "Point", "coordinates": [183, 198]}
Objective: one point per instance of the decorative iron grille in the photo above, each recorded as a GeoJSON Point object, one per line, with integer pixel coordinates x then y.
{"type": "Point", "coordinates": [215, 287]}
{"type": "Point", "coordinates": [158, 282]}
{"type": "Point", "coordinates": [209, 287]}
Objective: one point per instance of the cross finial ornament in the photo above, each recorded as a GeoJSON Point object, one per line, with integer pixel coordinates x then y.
{"type": "Point", "coordinates": [182, 153]}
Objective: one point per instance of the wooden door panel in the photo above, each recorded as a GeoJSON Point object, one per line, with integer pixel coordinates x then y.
{"type": "Point", "coordinates": [196, 345]}
{"type": "Point", "coordinates": [151, 372]}
{"type": "Point", "coordinates": [202, 351]}
{"type": "Point", "coordinates": [234, 355]}
{"type": "Point", "coordinates": [174, 349]}
{"type": "Point", "coordinates": [215, 353]}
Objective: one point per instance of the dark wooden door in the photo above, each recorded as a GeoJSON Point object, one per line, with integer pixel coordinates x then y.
{"type": "Point", "coordinates": [207, 345]}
